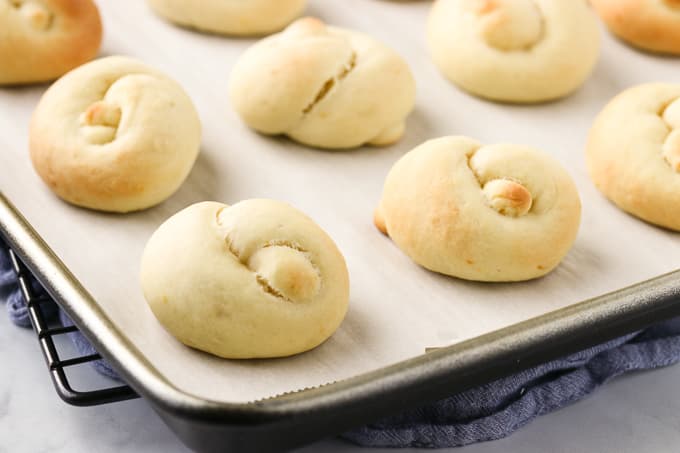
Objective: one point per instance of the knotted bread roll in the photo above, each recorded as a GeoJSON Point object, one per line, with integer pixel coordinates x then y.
{"type": "Point", "coordinates": [633, 153]}
{"type": "Point", "coordinates": [230, 17]}
{"type": "Point", "coordinates": [41, 40]}
{"type": "Point", "coordinates": [253, 280]}
{"type": "Point", "coordinates": [323, 86]}
{"type": "Point", "coordinates": [114, 135]}
{"type": "Point", "coordinates": [514, 50]}
{"type": "Point", "coordinates": [478, 212]}
{"type": "Point", "coordinates": [648, 24]}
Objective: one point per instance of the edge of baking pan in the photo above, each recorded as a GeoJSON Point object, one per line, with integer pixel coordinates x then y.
{"type": "Point", "coordinates": [307, 415]}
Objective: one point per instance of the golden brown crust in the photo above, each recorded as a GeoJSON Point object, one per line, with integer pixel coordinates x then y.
{"type": "Point", "coordinates": [652, 25]}
{"type": "Point", "coordinates": [379, 221]}
{"type": "Point", "coordinates": [508, 197]}
{"type": "Point", "coordinates": [487, 213]}
{"type": "Point", "coordinates": [40, 40]}
{"type": "Point", "coordinates": [97, 143]}
{"type": "Point", "coordinates": [631, 153]}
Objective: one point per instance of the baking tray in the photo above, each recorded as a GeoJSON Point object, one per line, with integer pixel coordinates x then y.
{"type": "Point", "coordinates": [493, 330]}
{"type": "Point", "coordinates": [287, 421]}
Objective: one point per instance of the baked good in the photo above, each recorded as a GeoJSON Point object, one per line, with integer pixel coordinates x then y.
{"type": "Point", "coordinates": [652, 25]}
{"type": "Point", "coordinates": [514, 50]}
{"type": "Point", "coordinates": [114, 135]}
{"type": "Point", "coordinates": [41, 40]}
{"type": "Point", "coordinates": [257, 279]}
{"type": "Point", "coordinates": [633, 153]}
{"type": "Point", "coordinates": [230, 17]}
{"type": "Point", "coordinates": [323, 86]}
{"type": "Point", "coordinates": [480, 212]}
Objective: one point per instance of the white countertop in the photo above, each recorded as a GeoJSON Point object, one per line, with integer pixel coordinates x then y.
{"type": "Point", "coordinates": [636, 413]}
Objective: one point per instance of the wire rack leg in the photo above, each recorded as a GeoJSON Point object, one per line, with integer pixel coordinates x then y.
{"type": "Point", "coordinates": [55, 364]}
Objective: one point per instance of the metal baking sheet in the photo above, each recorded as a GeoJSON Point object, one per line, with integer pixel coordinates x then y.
{"type": "Point", "coordinates": [397, 309]}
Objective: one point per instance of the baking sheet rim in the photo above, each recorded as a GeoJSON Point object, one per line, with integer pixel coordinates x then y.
{"type": "Point", "coordinates": [626, 316]}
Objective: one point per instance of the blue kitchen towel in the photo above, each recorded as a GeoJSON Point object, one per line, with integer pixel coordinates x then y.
{"type": "Point", "coordinates": [84, 347]}
{"type": "Point", "coordinates": [488, 412]}
{"type": "Point", "coordinates": [9, 292]}
{"type": "Point", "coordinates": [18, 311]}
{"type": "Point", "coordinates": [496, 410]}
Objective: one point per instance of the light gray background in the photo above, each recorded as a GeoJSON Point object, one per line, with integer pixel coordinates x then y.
{"type": "Point", "coordinates": [637, 413]}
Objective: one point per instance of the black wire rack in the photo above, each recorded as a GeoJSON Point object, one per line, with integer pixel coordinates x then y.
{"type": "Point", "coordinates": [55, 364]}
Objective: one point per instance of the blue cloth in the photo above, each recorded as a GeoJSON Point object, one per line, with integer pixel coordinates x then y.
{"type": "Point", "coordinates": [18, 311]}
{"type": "Point", "coordinates": [9, 292]}
{"type": "Point", "coordinates": [84, 347]}
{"type": "Point", "coordinates": [488, 412]}
{"type": "Point", "coordinates": [496, 410]}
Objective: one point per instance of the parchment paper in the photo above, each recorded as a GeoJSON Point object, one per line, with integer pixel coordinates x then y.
{"type": "Point", "coordinates": [397, 308]}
